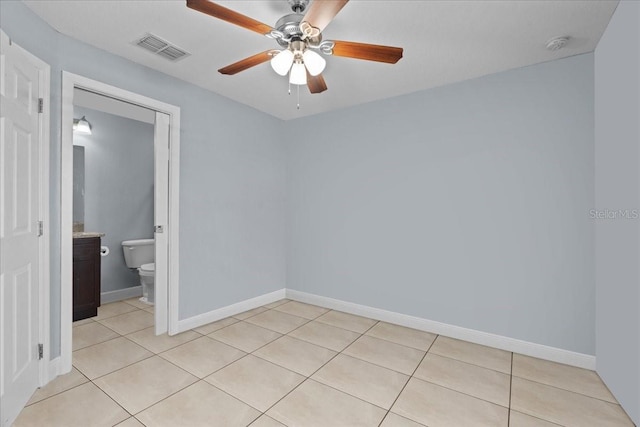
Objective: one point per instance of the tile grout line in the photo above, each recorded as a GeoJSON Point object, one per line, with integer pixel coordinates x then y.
{"type": "Point", "coordinates": [460, 392]}
{"type": "Point", "coordinates": [309, 377]}
{"type": "Point", "coordinates": [342, 352]}
{"type": "Point", "coordinates": [133, 363]}
{"type": "Point", "coordinates": [120, 336]}
{"type": "Point", "coordinates": [110, 328]}
{"type": "Point", "coordinates": [92, 380]}
{"type": "Point", "coordinates": [511, 375]}
{"type": "Point", "coordinates": [215, 330]}
{"type": "Point", "coordinates": [260, 413]}
{"type": "Point", "coordinates": [409, 379]}
{"type": "Point", "coordinates": [242, 357]}
{"type": "Point", "coordinates": [198, 379]}
{"type": "Point", "coordinates": [154, 403]}
{"type": "Point", "coordinates": [310, 305]}
{"type": "Point", "coordinates": [95, 344]}
{"type": "Point", "coordinates": [281, 312]}
{"type": "Point", "coordinates": [154, 354]}
{"type": "Point", "coordinates": [404, 345]}
{"type": "Point", "coordinates": [320, 345]}
{"type": "Point", "coordinates": [170, 348]}
{"type": "Point", "coordinates": [118, 314]}
{"type": "Point", "coordinates": [123, 367]}
{"type": "Point", "coordinates": [309, 342]}
{"type": "Point", "coordinates": [313, 373]}
{"type": "Point", "coordinates": [568, 391]}
{"type": "Point", "coordinates": [114, 401]}
{"type": "Point", "coordinates": [281, 335]}
{"type": "Point", "coordinates": [257, 356]}
{"type": "Point", "coordinates": [470, 363]}
{"type": "Point", "coordinates": [246, 352]}
{"type": "Point", "coordinates": [305, 377]}
{"type": "Point", "coordinates": [248, 317]}
{"type": "Point", "coordinates": [97, 386]}
{"type": "Point", "coordinates": [541, 419]}
{"type": "Point", "coordinates": [60, 392]}
{"type": "Point", "coordinates": [124, 314]}
{"type": "Point", "coordinates": [380, 366]}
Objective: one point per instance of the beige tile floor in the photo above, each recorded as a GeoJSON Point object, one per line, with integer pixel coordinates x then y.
{"type": "Point", "coordinates": [293, 364]}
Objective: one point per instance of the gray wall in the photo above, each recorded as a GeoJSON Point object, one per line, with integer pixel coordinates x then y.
{"type": "Point", "coordinates": [118, 188]}
{"type": "Point", "coordinates": [78, 185]}
{"type": "Point", "coordinates": [466, 204]}
{"type": "Point", "coordinates": [617, 165]}
{"type": "Point", "coordinates": [232, 178]}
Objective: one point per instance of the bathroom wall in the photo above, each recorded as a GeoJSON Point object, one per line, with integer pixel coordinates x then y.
{"type": "Point", "coordinates": [232, 176]}
{"type": "Point", "coordinates": [466, 204]}
{"type": "Point", "coordinates": [617, 165]}
{"type": "Point", "coordinates": [118, 188]}
{"type": "Point", "coordinates": [78, 185]}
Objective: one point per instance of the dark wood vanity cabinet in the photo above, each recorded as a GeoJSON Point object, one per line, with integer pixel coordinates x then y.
{"type": "Point", "coordinates": [86, 277]}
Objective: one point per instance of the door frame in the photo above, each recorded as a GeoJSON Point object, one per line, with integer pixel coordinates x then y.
{"type": "Point", "coordinates": [166, 310]}
{"type": "Point", "coordinates": [44, 244]}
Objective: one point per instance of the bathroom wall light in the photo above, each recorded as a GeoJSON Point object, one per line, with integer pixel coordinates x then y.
{"type": "Point", "coordinates": [82, 126]}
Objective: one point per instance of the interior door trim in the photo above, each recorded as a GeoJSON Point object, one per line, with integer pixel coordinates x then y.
{"type": "Point", "coordinates": [166, 315]}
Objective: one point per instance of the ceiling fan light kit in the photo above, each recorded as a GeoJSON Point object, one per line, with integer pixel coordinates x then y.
{"type": "Point", "coordinates": [300, 35]}
{"type": "Point", "coordinates": [282, 61]}
{"type": "Point", "coordinates": [314, 62]}
{"type": "Point", "coordinates": [298, 74]}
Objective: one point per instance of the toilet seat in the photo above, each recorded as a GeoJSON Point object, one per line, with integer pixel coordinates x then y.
{"type": "Point", "coordinates": [148, 268]}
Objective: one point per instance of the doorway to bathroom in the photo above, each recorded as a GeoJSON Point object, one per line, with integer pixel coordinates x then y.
{"type": "Point", "coordinates": [164, 126]}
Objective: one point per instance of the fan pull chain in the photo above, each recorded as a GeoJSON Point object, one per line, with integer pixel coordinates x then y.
{"type": "Point", "coordinates": [289, 88]}
{"type": "Point", "coordinates": [298, 97]}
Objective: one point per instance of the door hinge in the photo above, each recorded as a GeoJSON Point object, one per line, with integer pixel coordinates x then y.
{"type": "Point", "coordinates": [40, 228]}
{"type": "Point", "coordinates": [40, 351]}
{"type": "Point", "coordinates": [40, 105]}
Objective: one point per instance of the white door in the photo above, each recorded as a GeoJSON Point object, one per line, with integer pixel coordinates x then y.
{"type": "Point", "coordinates": [20, 213]}
{"type": "Point", "coordinates": [161, 217]}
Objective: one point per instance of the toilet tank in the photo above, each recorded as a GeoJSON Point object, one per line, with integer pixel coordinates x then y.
{"type": "Point", "coordinates": [138, 252]}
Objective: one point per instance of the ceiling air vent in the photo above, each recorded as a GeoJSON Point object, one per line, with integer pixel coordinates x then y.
{"type": "Point", "coordinates": [161, 47]}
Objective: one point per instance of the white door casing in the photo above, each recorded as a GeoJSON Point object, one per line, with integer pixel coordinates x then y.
{"type": "Point", "coordinates": [24, 263]}
{"type": "Point", "coordinates": [166, 291]}
{"type": "Point", "coordinates": [161, 210]}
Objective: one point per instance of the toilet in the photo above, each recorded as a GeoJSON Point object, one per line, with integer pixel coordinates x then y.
{"type": "Point", "coordinates": [140, 254]}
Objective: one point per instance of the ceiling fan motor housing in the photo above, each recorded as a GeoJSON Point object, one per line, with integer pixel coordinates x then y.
{"type": "Point", "coordinates": [289, 27]}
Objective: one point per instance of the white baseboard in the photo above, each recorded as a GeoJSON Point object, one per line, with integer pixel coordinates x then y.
{"type": "Point", "coordinates": [484, 338]}
{"type": "Point", "coordinates": [120, 294]}
{"type": "Point", "coordinates": [230, 310]}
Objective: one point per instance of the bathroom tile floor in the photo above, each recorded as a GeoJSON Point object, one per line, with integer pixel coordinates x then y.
{"type": "Point", "coordinates": [293, 364]}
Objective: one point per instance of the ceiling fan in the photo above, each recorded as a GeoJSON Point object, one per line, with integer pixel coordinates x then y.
{"type": "Point", "coordinates": [300, 36]}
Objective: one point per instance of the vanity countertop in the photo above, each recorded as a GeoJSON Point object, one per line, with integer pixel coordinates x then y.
{"type": "Point", "coordinates": [86, 234]}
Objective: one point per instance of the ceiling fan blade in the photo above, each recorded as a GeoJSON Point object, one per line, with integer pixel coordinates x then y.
{"type": "Point", "coordinates": [229, 15]}
{"type": "Point", "coordinates": [316, 84]}
{"type": "Point", "coordinates": [369, 52]}
{"type": "Point", "coordinates": [246, 63]}
{"type": "Point", "coordinates": [322, 12]}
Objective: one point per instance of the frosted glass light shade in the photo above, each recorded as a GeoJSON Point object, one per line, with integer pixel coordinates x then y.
{"type": "Point", "coordinates": [82, 126]}
{"type": "Point", "coordinates": [282, 62]}
{"type": "Point", "coordinates": [298, 75]}
{"type": "Point", "coordinates": [314, 62]}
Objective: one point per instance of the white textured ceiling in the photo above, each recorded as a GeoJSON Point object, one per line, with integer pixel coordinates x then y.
{"type": "Point", "coordinates": [443, 41]}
